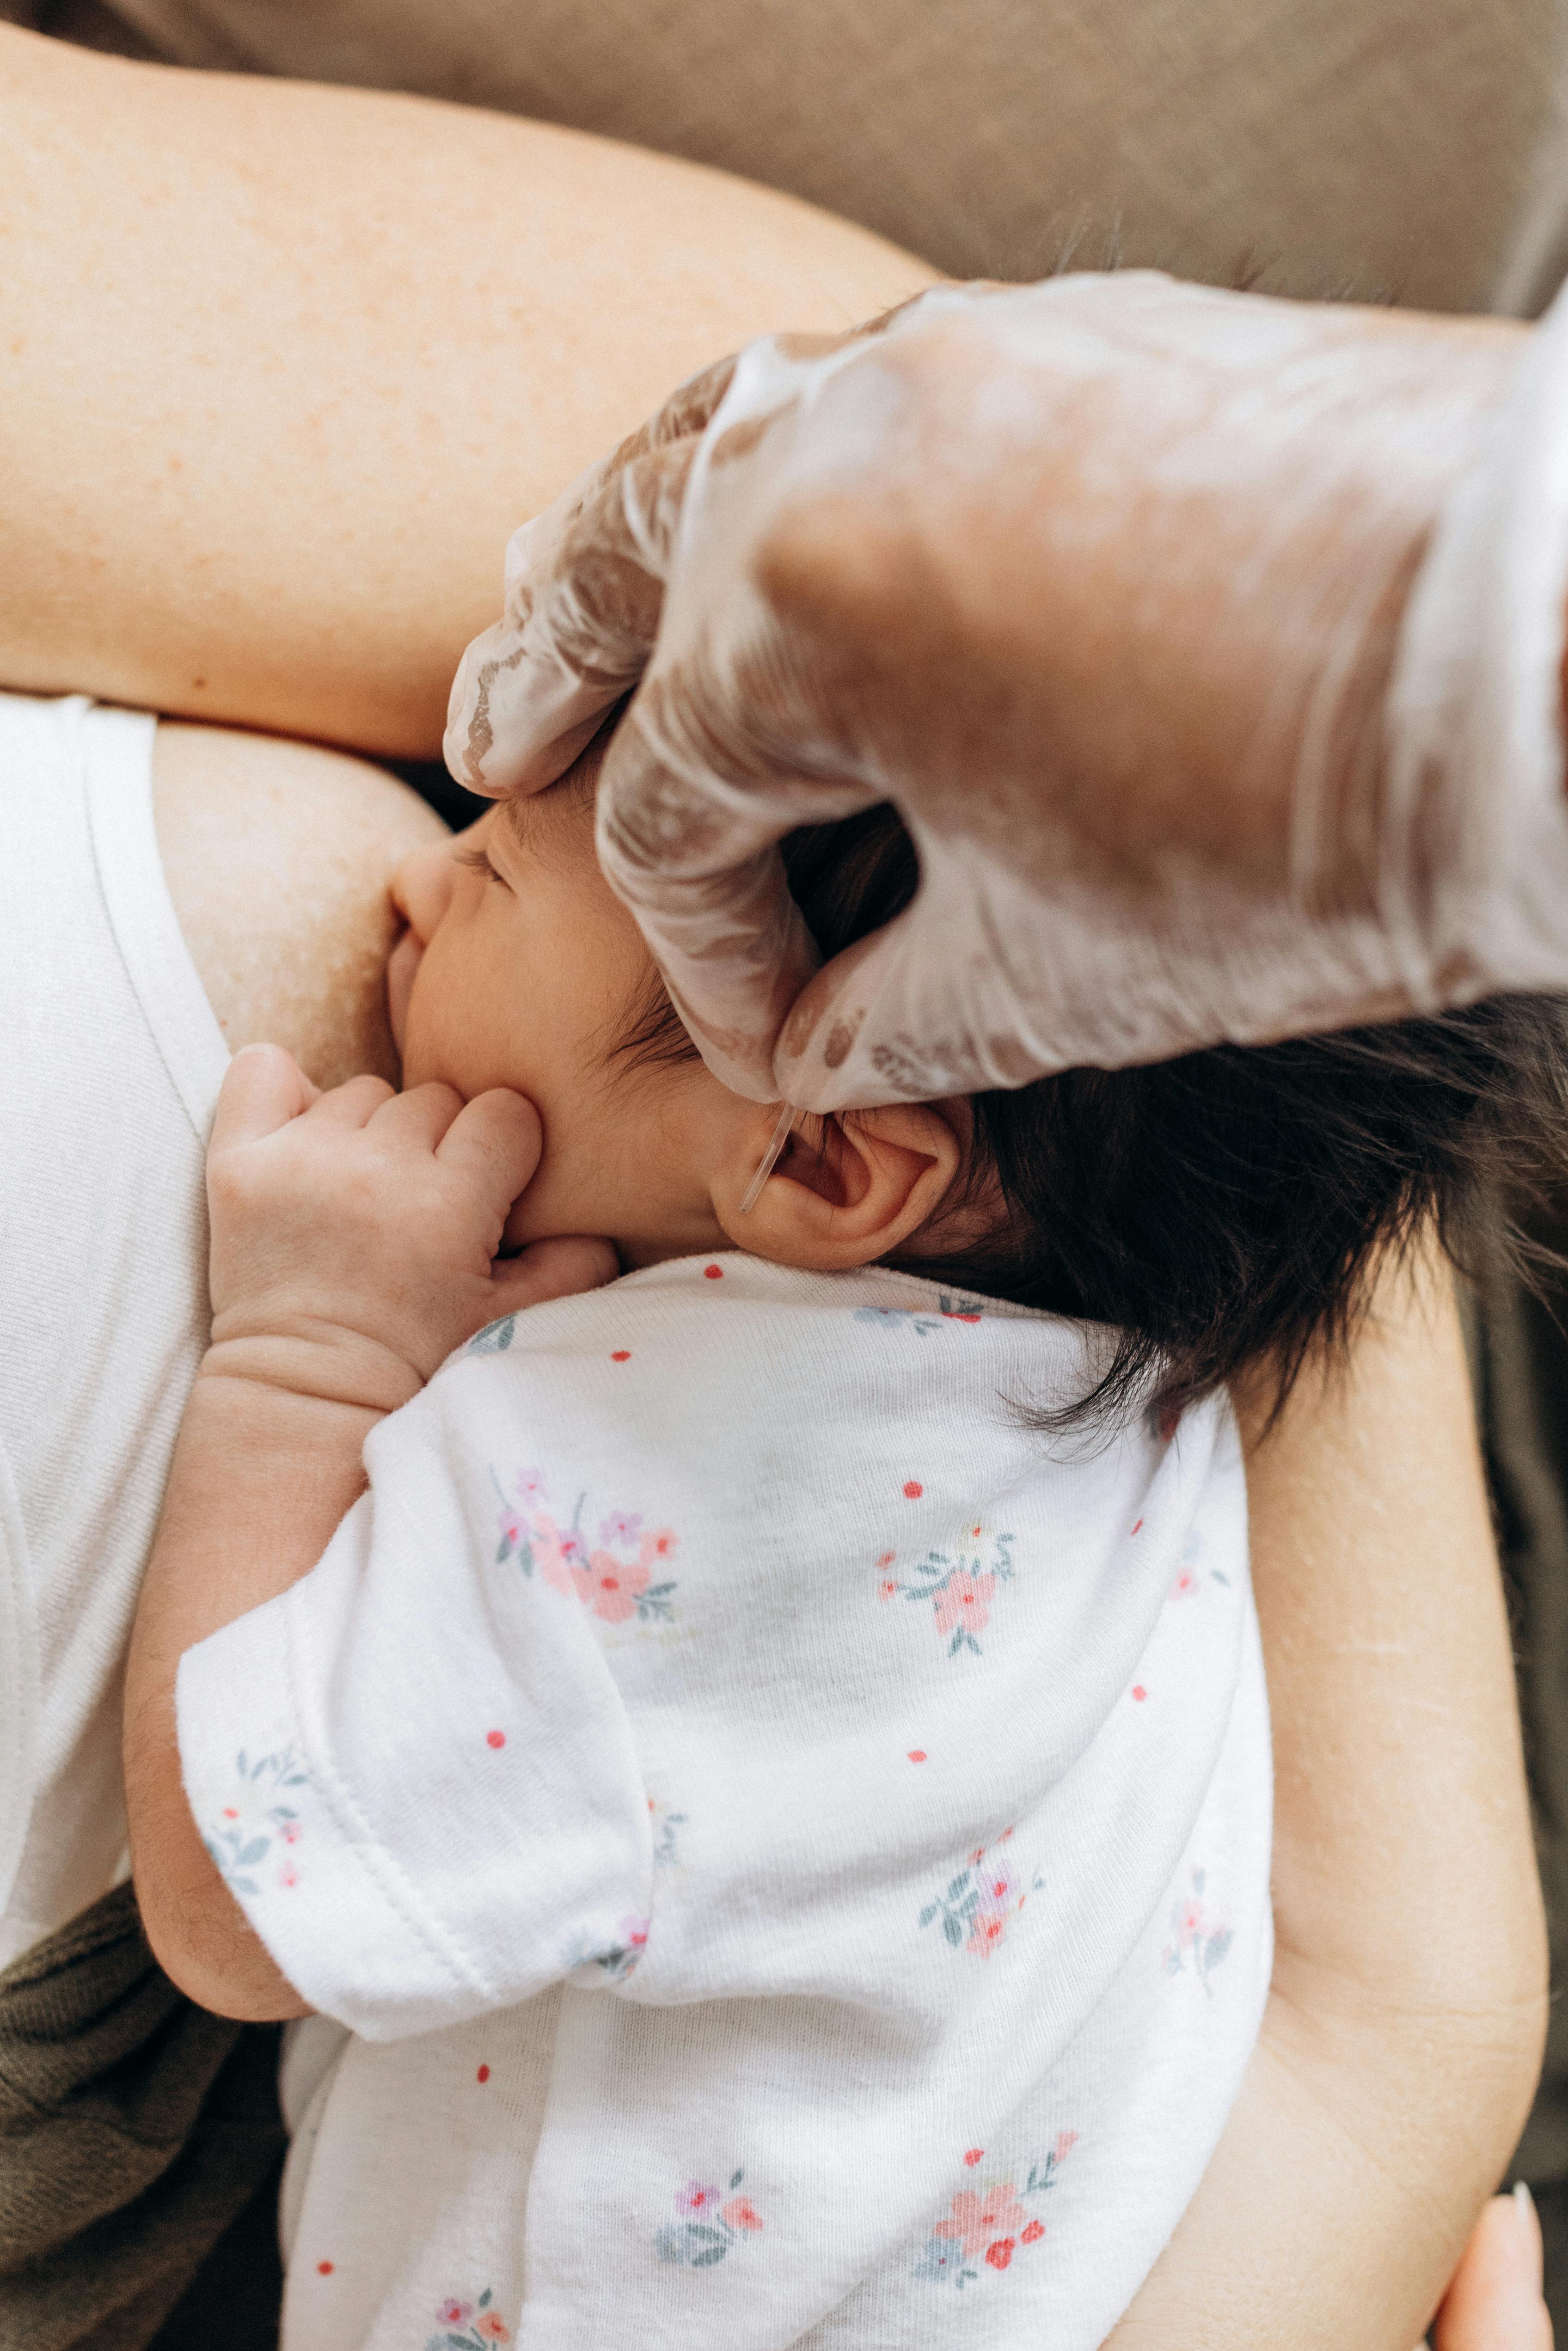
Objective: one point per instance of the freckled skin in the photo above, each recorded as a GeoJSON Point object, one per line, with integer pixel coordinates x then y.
{"type": "Point", "coordinates": [277, 856]}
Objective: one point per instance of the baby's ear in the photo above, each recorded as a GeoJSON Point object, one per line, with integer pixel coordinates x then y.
{"type": "Point", "coordinates": [846, 1190]}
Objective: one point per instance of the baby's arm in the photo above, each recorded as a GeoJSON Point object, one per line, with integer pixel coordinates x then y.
{"type": "Point", "coordinates": [354, 1236]}
{"type": "Point", "coordinates": [1404, 2032]}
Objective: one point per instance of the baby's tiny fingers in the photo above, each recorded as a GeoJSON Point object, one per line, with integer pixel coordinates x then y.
{"type": "Point", "coordinates": [495, 1141]}
{"type": "Point", "coordinates": [421, 1116]}
{"type": "Point", "coordinates": [264, 1087]}
{"type": "Point", "coordinates": [353, 1103]}
{"type": "Point", "coordinates": [561, 1268]}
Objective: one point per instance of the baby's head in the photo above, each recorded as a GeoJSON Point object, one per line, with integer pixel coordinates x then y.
{"type": "Point", "coordinates": [1220, 1211]}
{"type": "Point", "coordinates": [519, 967]}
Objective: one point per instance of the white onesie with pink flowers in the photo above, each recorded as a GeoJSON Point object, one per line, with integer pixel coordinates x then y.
{"type": "Point", "coordinates": [790, 1841]}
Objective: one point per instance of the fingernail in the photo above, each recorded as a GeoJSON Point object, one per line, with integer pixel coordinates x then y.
{"type": "Point", "coordinates": [1530, 2222]}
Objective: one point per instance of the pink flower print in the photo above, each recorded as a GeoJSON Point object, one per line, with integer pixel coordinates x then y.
{"type": "Point", "coordinates": [613, 1586]}
{"type": "Point", "coordinates": [986, 1933]}
{"type": "Point", "coordinates": [514, 1528]}
{"type": "Point", "coordinates": [974, 2220]}
{"type": "Point", "coordinates": [979, 1901]}
{"type": "Point", "coordinates": [960, 1585]}
{"type": "Point", "coordinates": [1065, 2143]}
{"type": "Point", "coordinates": [620, 1529]}
{"type": "Point", "coordinates": [964, 1602]}
{"type": "Point", "coordinates": [1197, 1935]}
{"type": "Point", "coordinates": [1001, 2252]}
{"type": "Point", "coordinates": [488, 2326]}
{"type": "Point", "coordinates": [656, 1548]}
{"type": "Point", "coordinates": [711, 2230]}
{"type": "Point", "coordinates": [1034, 2232]}
{"type": "Point", "coordinates": [531, 1486]}
{"type": "Point", "coordinates": [554, 1553]}
{"type": "Point", "coordinates": [289, 1831]}
{"type": "Point", "coordinates": [636, 1933]}
{"type": "Point", "coordinates": [1185, 1586]}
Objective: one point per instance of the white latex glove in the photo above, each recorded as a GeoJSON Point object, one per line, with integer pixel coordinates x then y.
{"type": "Point", "coordinates": [1107, 585]}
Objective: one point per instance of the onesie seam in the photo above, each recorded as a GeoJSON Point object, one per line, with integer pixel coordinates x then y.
{"type": "Point", "coordinates": [378, 1863]}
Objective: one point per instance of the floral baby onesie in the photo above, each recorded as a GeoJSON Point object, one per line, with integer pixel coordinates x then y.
{"type": "Point", "coordinates": [790, 1841]}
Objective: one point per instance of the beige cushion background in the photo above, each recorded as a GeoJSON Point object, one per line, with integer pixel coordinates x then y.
{"type": "Point", "coordinates": [1407, 151]}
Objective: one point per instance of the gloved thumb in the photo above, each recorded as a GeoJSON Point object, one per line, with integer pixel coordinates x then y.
{"type": "Point", "coordinates": [584, 591]}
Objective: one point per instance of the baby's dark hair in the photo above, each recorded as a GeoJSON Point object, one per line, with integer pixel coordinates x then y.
{"type": "Point", "coordinates": [1223, 1211]}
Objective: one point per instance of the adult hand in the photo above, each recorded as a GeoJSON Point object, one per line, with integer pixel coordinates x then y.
{"type": "Point", "coordinates": [1100, 582]}
{"type": "Point", "coordinates": [1494, 2303]}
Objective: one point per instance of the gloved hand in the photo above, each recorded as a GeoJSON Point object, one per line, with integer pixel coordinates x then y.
{"type": "Point", "coordinates": [1106, 585]}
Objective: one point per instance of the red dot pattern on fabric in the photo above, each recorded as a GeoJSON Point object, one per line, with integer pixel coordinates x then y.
{"type": "Point", "coordinates": [621, 1355]}
{"type": "Point", "coordinates": [323, 2269]}
{"type": "Point", "coordinates": [482, 2074]}
{"type": "Point", "coordinates": [495, 1739]}
{"type": "Point", "coordinates": [971, 2157]}
{"type": "Point", "coordinates": [913, 1491]}
{"type": "Point", "coordinates": [1034, 2232]}
{"type": "Point", "coordinates": [1139, 1692]}
{"type": "Point", "coordinates": [918, 1754]}
{"type": "Point", "coordinates": [713, 1273]}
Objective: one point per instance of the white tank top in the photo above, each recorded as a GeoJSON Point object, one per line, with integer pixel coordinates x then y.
{"type": "Point", "coordinates": [110, 1059]}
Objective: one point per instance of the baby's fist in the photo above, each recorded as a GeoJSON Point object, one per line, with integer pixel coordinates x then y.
{"type": "Point", "coordinates": [354, 1233]}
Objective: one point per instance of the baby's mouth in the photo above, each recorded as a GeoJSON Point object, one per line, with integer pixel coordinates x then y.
{"type": "Point", "coordinates": [402, 962]}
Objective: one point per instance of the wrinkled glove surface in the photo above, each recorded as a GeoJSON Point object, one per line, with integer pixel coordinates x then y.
{"type": "Point", "coordinates": [1208, 645]}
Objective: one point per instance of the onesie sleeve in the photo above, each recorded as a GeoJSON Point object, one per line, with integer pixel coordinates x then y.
{"type": "Point", "coordinates": [415, 1774]}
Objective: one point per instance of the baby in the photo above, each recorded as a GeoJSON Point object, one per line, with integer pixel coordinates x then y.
{"type": "Point", "coordinates": [772, 1770]}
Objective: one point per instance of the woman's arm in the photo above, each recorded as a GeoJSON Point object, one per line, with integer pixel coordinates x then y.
{"type": "Point", "coordinates": [281, 367]}
{"type": "Point", "coordinates": [1403, 2032]}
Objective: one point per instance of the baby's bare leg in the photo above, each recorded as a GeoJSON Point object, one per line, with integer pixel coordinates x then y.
{"type": "Point", "coordinates": [277, 856]}
{"type": "Point", "coordinates": [281, 368]}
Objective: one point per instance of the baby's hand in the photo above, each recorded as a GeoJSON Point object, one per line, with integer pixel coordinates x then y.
{"type": "Point", "coordinates": [354, 1233]}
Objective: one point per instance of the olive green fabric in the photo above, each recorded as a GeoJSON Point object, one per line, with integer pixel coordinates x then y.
{"type": "Point", "coordinates": [134, 2128]}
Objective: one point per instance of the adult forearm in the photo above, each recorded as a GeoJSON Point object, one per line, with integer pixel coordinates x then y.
{"type": "Point", "coordinates": [1403, 2032]}
{"type": "Point", "coordinates": [281, 367]}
